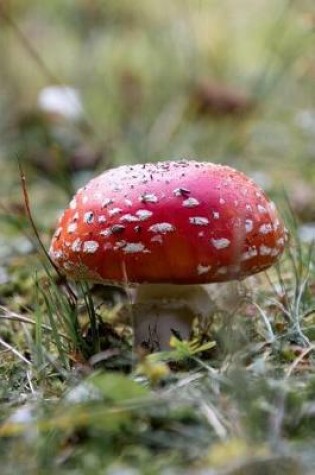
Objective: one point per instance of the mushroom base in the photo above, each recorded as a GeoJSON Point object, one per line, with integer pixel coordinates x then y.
{"type": "Point", "coordinates": [160, 310]}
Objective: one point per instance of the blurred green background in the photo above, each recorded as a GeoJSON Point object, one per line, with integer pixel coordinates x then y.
{"type": "Point", "coordinates": [218, 80]}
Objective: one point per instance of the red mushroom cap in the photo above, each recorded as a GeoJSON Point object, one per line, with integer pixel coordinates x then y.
{"type": "Point", "coordinates": [183, 222]}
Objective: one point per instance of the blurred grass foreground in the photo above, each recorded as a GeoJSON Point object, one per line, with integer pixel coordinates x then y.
{"type": "Point", "coordinates": [87, 85]}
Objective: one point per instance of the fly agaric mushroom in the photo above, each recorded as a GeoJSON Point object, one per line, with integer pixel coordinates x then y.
{"type": "Point", "coordinates": [168, 227]}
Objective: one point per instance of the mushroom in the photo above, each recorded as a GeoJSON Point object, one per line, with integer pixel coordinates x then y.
{"type": "Point", "coordinates": [168, 228]}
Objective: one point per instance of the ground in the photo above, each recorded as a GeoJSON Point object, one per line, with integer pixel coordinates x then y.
{"type": "Point", "coordinates": [228, 82]}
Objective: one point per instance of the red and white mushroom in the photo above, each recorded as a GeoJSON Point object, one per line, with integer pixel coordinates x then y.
{"type": "Point", "coordinates": [170, 223]}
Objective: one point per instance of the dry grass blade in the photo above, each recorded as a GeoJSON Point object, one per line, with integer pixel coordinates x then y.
{"type": "Point", "coordinates": [12, 316]}
{"type": "Point", "coordinates": [298, 360]}
{"type": "Point", "coordinates": [72, 295]}
{"type": "Point", "coordinates": [15, 352]}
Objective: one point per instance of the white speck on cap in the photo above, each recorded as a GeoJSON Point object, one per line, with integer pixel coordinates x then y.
{"type": "Point", "coordinates": [216, 215]}
{"type": "Point", "coordinates": [88, 217]}
{"type": "Point", "coordinates": [222, 270]}
{"type": "Point", "coordinates": [73, 203]}
{"type": "Point", "coordinates": [158, 238]}
{"type": "Point", "coordinates": [222, 201]}
{"type": "Point", "coordinates": [143, 214]}
{"type": "Point", "coordinates": [249, 225]}
{"type": "Point", "coordinates": [134, 247]}
{"type": "Point", "coordinates": [76, 245]}
{"type": "Point", "coordinates": [106, 202]}
{"type": "Point", "coordinates": [261, 209]}
{"type": "Point", "coordinates": [58, 232]}
{"type": "Point", "coordinates": [72, 227]}
{"type": "Point", "coordinates": [265, 250]}
{"type": "Point", "coordinates": [56, 255]}
{"type": "Point", "coordinates": [201, 269]}
{"type": "Point", "coordinates": [106, 232]}
{"type": "Point", "coordinates": [162, 228]}
{"type": "Point", "coordinates": [90, 246]}
{"type": "Point", "coordinates": [191, 203]}
{"type": "Point", "coordinates": [252, 252]}
{"type": "Point", "coordinates": [221, 243]}
{"type": "Point", "coordinates": [129, 218]}
{"type": "Point", "coordinates": [114, 211]}
{"type": "Point", "coordinates": [148, 198]}
{"type": "Point", "coordinates": [199, 221]}
{"type": "Point", "coordinates": [265, 228]}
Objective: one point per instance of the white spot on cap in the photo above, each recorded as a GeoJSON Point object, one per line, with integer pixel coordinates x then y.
{"type": "Point", "coordinates": [128, 202]}
{"type": "Point", "coordinates": [58, 232]}
{"type": "Point", "coordinates": [202, 269]}
{"type": "Point", "coordinates": [222, 201]}
{"type": "Point", "coordinates": [134, 247]}
{"type": "Point", "coordinates": [76, 245]}
{"type": "Point", "coordinates": [114, 211]}
{"type": "Point", "coordinates": [191, 203]}
{"type": "Point", "coordinates": [90, 246]}
{"type": "Point", "coordinates": [216, 215]}
{"type": "Point", "coordinates": [148, 198]}
{"type": "Point", "coordinates": [56, 255]}
{"type": "Point", "coordinates": [275, 252]}
{"type": "Point", "coordinates": [162, 228]}
{"type": "Point", "coordinates": [106, 202]}
{"type": "Point", "coordinates": [101, 218]}
{"type": "Point", "coordinates": [265, 250]}
{"type": "Point", "coordinates": [85, 199]}
{"type": "Point", "coordinates": [252, 252]}
{"type": "Point", "coordinates": [106, 232]}
{"type": "Point", "coordinates": [249, 207]}
{"type": "Point", "coordinates": [249, 225]}
{"type": "Point", "coordinates": [158, 238]}
{"type": "Point", "coordinates": [222, 270]}
{"type": "Point", "coordinates": [199, 221]}
{"type": "Point", "coordinates": [265, 228]}
{"type": "Point", "coordinates": [221, 243]}
{"type": "Point", "coordinates": [280, 242]}
{"type": "Point", "coordinates": [261, 209]}
{"type": "Point", "coordinates": [276, 224]}
{"type": "Point", "coordinates": [129, 218]}
{"type": "Point", "coordinates": [75, 216]}
{"type": "Point", "coordinates": [72, 227]}
{"type": "Point", "coordinates": [73, 203]}
{"type": "Point", "coordinates": [143, 214]}
{"type": "Point", "coordinates": [181, 192]}
{"type": "Point", "coordinates": [88, 217]}
{"type": "Point", "coordinates": [120, 244]}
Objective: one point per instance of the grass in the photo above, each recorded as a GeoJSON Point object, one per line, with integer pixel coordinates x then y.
{"type": "Point", "coordinates": [75, 399]}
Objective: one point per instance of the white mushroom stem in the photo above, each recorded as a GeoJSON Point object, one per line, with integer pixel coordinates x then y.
{"type": "Point", "coordinates": [160, 308]}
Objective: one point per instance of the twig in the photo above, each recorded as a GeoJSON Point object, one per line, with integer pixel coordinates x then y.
{"type": "Point", "coordinates": [299, 359]}
{"type": "Point", "coordinates": [9, 315]}
{"type": "Point", "coordinates": [15, 352]}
